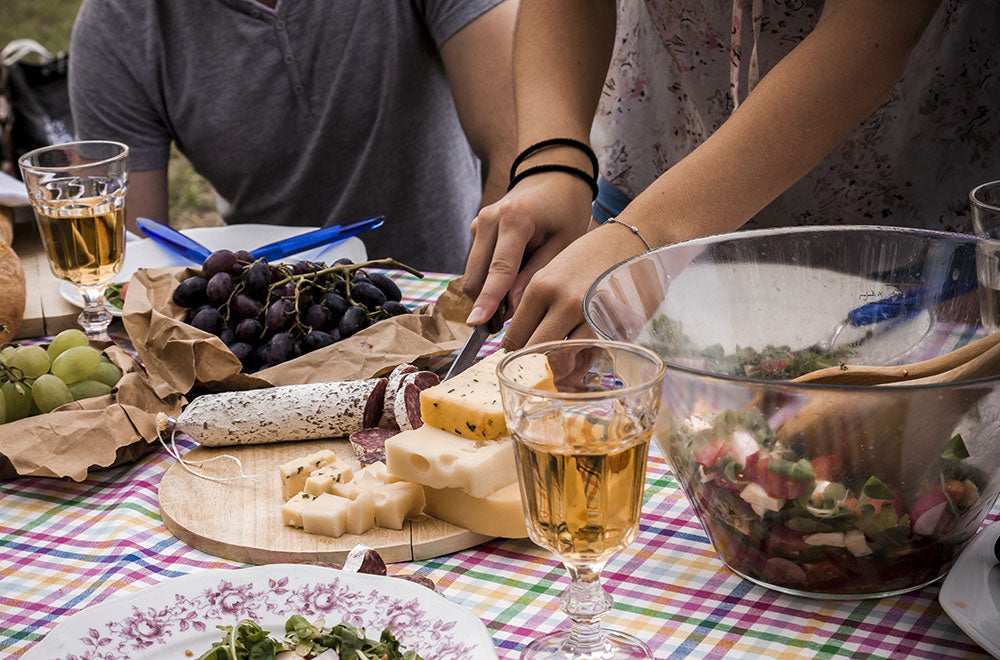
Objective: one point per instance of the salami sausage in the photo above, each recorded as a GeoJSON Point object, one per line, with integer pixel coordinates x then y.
{"type": "Point", "coordinates": [396, 377]}
{"type": "Point", "coordinates": [289, 412]}
{"type": "Point", "coordinates": [368, 441]}
{"type": "Point", "coordinates": [407, 407]}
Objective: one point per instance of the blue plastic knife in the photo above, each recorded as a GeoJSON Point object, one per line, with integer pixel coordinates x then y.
{"type": "Point", "coordinates": [173, 240]}
{"type": "Point", "coordinates": [311, 239]}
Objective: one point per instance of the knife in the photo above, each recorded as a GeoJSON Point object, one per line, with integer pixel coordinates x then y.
{"type": "Point", "coordinates": [174, 241]}
{"type": "Point", "coordinates": [311, 239]}
{"type": "Point", "coordinates": [476, 340]}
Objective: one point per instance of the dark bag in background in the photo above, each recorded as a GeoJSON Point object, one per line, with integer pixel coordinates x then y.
{"type": "Point", "coordinates": [38, 91]}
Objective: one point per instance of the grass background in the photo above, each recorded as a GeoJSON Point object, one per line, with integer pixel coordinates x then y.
{"type": "Point", "coordinates": [49, 22]}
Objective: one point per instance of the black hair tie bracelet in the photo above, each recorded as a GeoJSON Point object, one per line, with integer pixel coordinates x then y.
{"type": "Point", "coordinates": [567, 169]}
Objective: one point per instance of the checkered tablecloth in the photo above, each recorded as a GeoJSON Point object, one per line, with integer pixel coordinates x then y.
{"type": "Point", "coordinates": [65, 545]}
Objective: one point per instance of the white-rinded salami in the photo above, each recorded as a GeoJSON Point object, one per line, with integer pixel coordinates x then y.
{"type": "Point", "coordinates": [407, 407]}
{"type": "Point", "coordinates": [395, 381]}
{"type": "Point", "coordinates": [289, 412]}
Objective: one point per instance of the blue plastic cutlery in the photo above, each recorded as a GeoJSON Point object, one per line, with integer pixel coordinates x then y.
{"type": "Point", "coordinates": [195, 252]}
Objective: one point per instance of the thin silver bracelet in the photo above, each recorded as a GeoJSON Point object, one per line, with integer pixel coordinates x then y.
{"type": "Point", "coordinates": [633, 229]}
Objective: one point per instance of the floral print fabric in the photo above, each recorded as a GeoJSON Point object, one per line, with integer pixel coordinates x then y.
{"type": "Point", "coordinates": [680, 67]}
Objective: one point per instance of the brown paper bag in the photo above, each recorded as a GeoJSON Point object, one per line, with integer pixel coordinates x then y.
{"type": "Point", "coordinates": [89, 434]}
{"type": "Point", "coordinates": [179, 357]}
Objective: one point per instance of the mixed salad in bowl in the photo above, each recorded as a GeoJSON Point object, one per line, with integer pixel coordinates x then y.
{"type": "Point", "coordinates": [817, 524]}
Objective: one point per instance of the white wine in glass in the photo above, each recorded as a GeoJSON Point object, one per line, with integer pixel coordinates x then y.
{"type": "Point", "coordinates": [581, 444]}
{"type": "Point", "coordinates": [77, 191]}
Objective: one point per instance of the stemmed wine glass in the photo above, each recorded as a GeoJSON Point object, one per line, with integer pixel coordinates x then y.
{"type": "Point", "coordinates": [581, 440]}
{"type": "Point", "coordinates": [77, 191]}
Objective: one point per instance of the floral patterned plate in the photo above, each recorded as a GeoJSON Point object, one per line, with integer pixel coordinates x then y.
{"type": "Point", "coordinates": [179, 616]}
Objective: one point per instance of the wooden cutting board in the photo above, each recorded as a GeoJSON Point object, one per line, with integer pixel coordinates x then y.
{"type": "Point", "coordinates": [241, 520]}
{"type": "Point", "coordinates": [46, 312]}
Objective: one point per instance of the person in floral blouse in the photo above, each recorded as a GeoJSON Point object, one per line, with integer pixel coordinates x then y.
{"type": "Point", "coordinates": [720, 114]}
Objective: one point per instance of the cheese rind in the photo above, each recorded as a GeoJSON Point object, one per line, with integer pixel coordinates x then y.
{"type": "Point", "coordinates": [469, 404]}
{"type": "Point", "coordinates": [499, 514]}
{"type": "Point", "coordinates": [327, 515]}
{"type": "Point", "coordinates": [397, 502]}
{"type": "Point", "coordinates": [431, 457]}
{"type": "Point", "coordinates": [295, 472]}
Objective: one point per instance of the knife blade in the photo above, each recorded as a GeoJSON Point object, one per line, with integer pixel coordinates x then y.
{"type": "Point", "coordinates": [476, 339]}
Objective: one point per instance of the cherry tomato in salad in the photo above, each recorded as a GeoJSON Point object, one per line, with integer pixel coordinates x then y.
{"type": "Point", "coordinates": [773, 484]}
{"type": "Point", "coordinates": [712, 452]}
{"type": "Point", "coordinates": [827, 467]}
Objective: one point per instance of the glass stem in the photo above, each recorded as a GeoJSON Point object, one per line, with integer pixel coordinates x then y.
{"type": "Point", "coordinates": [95, 318]}
{"type": "Point", "coordinates": [585, 602]}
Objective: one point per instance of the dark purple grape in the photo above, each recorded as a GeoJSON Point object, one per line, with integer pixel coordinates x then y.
{"type": "Point", "coordinates": [244, 256]}
{"type": "Point", "coordinates": [219, 288]}
{"type": "Point", "coordinates": [360, 276]}
{"type": "Point", "coordinates": [249, 330]}
{"type": "Point", "coordinates": [194, 312]}
{"type": "Point", "coordinates": [190, 292]}
{"type": "Point", "coordinates": [278, 315]}
{"type": "Point", "coordinates": [344, 261]}
{"type": "Point", "coordinates": [260, 353]}
{"type": "Point", "coordinates": [245, 307]}
{"type": "Point", "coordinates": [279, 273]}
{"type": "Point", "coordinates": [318, 317]}
{"type": "Point", "coordinates": [386, 286]}
{"type": "Point", "coordinates": [303, 267]}
{"type": "Point", "coordinates": [393, 308]}
{"type": "Point", "coordinates": [237, 270]}
{"type": "Point", "coordinates": [209, 320]}
{"type": "Point", "coordinates": [368, 295]}
{"type": "Point", "coordinates": [340, 287]}
{"type": "Point", "coordinates": [244, 353]}
{"type": "Point", "coordinates": [220, 261]}
{"type": "Point", "coordinates": [315, 340]}
{"type": "Point", "coordinates": [335, 333]}
{"type": "Point", "coordinates": [228, 336]}
{"type": "Point", "coordinates": [281, 348]}
{"type": "Point", "coordinates": [337, 305]}
{"type": "Point", "coordinates": [257, 279]}
{"type": "Point", "coordinates": [355, 319]}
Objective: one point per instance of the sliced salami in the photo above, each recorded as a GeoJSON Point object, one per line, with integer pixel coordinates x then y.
{"type": "Point", "coordinates": [367, 441]}
{"type": "Point", "coordinates": [375, 456]}
{"type": "Point", "coordinates": [289, 412]}
{"type": "Point", "coordinates": [423, 379]}
{"type": "Point", "coordinates": [407, 407]}
{"type": "Point", "coordinates": [395, 377]}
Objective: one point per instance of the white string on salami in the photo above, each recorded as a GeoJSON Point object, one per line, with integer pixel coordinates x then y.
{"type": "Point", "coordinates": [175, 453]}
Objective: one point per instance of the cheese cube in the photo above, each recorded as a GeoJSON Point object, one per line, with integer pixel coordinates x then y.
{"type": "Point", "coordinates": [431, 457]}
{"type": "Point", "coordinates": [397, 502]}
{"type": "Point", "coordinates": [295, 472]}
{"type": "Point", "coordinates": [326, 515]}
{"type": "Point", "coordinates": [371, 476]}
{"type": "Point", "coordinates": [499, 514]}
{"type": "Point", "coordinates": [469, 404]}
{"type": "Point", "coordinates": [361, 513]}
{"type": "Point", "coordinates": [291, 511]}
{"type": "Point", "coordinates": [321, 480]}
{"type": "Point", "coordinates": [348, 490]}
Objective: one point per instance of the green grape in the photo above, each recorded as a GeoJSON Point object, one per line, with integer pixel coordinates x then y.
{"type": "Point", "coordinates": [18, 404]}
{"type": "Point", "coordinates": [86, 389]}
{"type": "Point", "coordinates": [65, 340]}
{"type": "Point", "coordinates": [106, 373]}
{"type": "Point", "coordinates": [3, 409]}
{"type": "Point", "coordinates": [6, 353]}
{"type": "Point", "coordinates": [76, 363]}
{"type": "Point", "coordinates": [33, 361]}
{"type": "Point", "coordinates": [49, 393]}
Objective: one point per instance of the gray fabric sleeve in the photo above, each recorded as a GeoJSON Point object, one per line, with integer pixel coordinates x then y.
{"type": "Point", "coordinates": [446, 17]}
{"type": "Point", "coordinates": [107, 96]}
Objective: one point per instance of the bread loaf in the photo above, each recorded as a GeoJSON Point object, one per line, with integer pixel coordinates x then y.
{"type": "Point", "coordinates": [12, 293]}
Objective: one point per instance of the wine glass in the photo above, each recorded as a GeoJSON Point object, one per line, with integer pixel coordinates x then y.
{"type": "Point", "coordinates": [985, 203]}
{"type": "Point", "coordinates": [77, 191]}
{"type": "Point", "coordinates": [581, 440]}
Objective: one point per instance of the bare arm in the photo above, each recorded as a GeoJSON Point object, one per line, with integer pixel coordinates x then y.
{"type": "Point", "coordinates": [561, 54]}
{"type": "Point", "coordinates": [477, 61]}
{"type": "Point", "coordinates": [146, 197]}
{"type": "Point", "coordinates": [801, 109]}
{"type": "Point", "coordinates": [797, 114]}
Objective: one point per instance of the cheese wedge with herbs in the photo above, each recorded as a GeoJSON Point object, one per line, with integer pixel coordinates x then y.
{"type": "Point", "coordinates": [499, 514]}
{"type": "Point", "coordinates": [295, 472]}
{"type": "Point", "coordinates": [322, 479]}
{"type": "Point", "coordinates": [435, 458]}
{"type": "Point", "coordinates": [469, 404]}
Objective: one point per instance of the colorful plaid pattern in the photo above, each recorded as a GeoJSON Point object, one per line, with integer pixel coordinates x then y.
{"type": "Point", "coordinates": [64, 546]}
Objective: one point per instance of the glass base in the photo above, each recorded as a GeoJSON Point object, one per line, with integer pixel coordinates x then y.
{"type": "Point", "coordinates": [616, 646]}
{"type": "Point", "coordinates": [834, 596]}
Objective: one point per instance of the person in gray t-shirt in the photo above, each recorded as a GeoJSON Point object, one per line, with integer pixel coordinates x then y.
{"type": "Point", "coordinates": [309, 112]}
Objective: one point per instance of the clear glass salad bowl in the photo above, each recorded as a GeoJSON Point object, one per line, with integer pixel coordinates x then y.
{"type": "Point", "coordinates": [833, 491]}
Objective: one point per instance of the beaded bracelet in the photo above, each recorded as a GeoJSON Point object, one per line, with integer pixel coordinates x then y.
{"type": "Point", "coordinates": [568, 169]}
{"type": "Point", "coordinates": [553, 142]}
{"type": "Point", "coordinates": [633, 228]}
